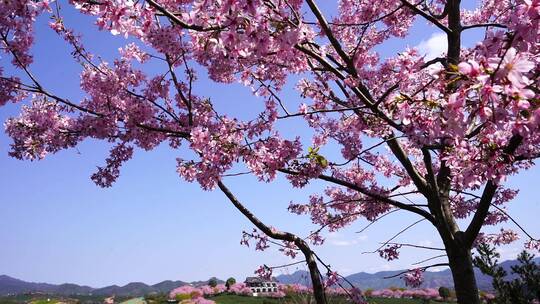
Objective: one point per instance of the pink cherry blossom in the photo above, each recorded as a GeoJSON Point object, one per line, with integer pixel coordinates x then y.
{"type": "Point", "coordinates": [382, 128]}
{"type": "Point", "coordinates": [515, 66]}
{"type": "Point", "coordinates": [390, 252]}
{"type": "Point", "coordinates": [132, 51]}
{"type": "Point", "coordinates": [533, 245]}
{"type": "Point", "coordinates": [264, 272]}
{"type": "Point", "coordinates": [414, 277]}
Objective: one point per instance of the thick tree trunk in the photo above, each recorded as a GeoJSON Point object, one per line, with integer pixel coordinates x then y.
{"type": "Point", "coordinates": [318, 287]}
{"type": "Point", "coordinates": [463, 273]}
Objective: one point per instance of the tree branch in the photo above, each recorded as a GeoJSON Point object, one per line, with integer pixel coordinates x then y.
{"type": "Point", "coordinates": [328, 32]}
{"type": "Point", "coordinates": [285, 236]}
{"type": "Point", "coordinates": [429, 259]}
{"type": "Point", "coordinates": [422, 268]}
{"type": "Point", "coordinates": [466, 27]}
{"type": "Point", "coordinates": [487, 195]}
{"type": "Point", "coordinates": [400, 154]}
{"type": "Point", "coordinates": [173, 18]}
{"type": "Point", "coordinates": [373, 195]}
{"type": "Point", "coordinates": [427, 16]}
{"type": "Point", "coordinates": [396, 235]}
{"type": "Point", "coordinates": [416, 246]}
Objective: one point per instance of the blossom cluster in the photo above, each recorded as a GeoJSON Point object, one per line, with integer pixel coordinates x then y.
{"type": "Point", "coordinates": [188, 291]}
{"type": "Point", "coordinates": [474, 115]}
{"type": "Point", "coordinates": [250, 42]}
{"type": "Point", "coordinates": [414, 277]}
{"type": "Point", "coordinates": [191, 293]}
{"type": "Point", "coordinates": [17, 28]}
{"type": "Point", "coordinates": [425, 293]}
{"type": "Point", "coordinates": [417, 293]}
{"type": "Point", "coordinates": [504, 237]}
{"type": "Point", "coordinates": [197, 295]}
{"type": "Point", "coordinates": [390, 252]}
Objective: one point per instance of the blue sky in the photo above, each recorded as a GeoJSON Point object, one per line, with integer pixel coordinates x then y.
{"type": "Point", "coordinates": [56, 226]}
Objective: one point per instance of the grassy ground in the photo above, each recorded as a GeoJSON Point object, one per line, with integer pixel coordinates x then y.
{"type": "Point", "coordinates": [42, 299]}
{"type": "Point", "coordinates": [401, 301]}
{"type": "Point", "coordinates": [233, 299]}
{"type": "Point", "coordinates": [18, 300]}
{"type": "Point", "coordinates": [226, 299]}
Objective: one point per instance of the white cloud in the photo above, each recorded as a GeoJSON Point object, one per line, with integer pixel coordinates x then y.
{"type": "Point", "coordinates": [334, 235]}
{"type": "Point", "coordinates": [381, 267]}
{"type": "Point", "coordinates": [338, 239]}
{"type": "Point", "coordinates": [433, 47]}
{"type": "Point", "coordinates": [437, 269]}
{"type": "Point", "coordinates": [509, 252]}
{"type": "Point", "coordinates": [362, 237]}
{"type": "Point", "coordinates": [343, 242]}
{"type": "Point", "coordinates": [414, 197]}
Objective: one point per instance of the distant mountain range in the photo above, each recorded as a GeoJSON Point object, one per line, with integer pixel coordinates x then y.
{"type": "Point", "coordinates": [378, 280]}
{"type": "Point", "coordinates": [432, 279]}
{"type": "Point", "coordinates": [9, 286]}
{"type": "Point", "coordinates": [363, 280]}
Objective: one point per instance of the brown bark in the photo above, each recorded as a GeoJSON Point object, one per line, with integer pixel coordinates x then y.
{"type": "Point", "coordinates": [318, 287]}
{"type": "Point", "coordinates": [457, 249]}
{"type": "Point", "coordinates": [454, 36]}
{"type": "Point", "coordinates": [463, 274]}
{"type": "Point", "coordinates": [316, 280]}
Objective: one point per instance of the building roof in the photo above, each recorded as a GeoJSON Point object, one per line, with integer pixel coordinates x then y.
{"type": "Point", "coordinates": [258, 280]}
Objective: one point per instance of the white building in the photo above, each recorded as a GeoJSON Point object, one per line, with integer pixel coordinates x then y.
{"type": "Point", "coordinates": [260, 286]}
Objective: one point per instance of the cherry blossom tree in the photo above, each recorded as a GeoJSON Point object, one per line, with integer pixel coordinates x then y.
{"type": "Point", "coordinates": [449, 130]}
